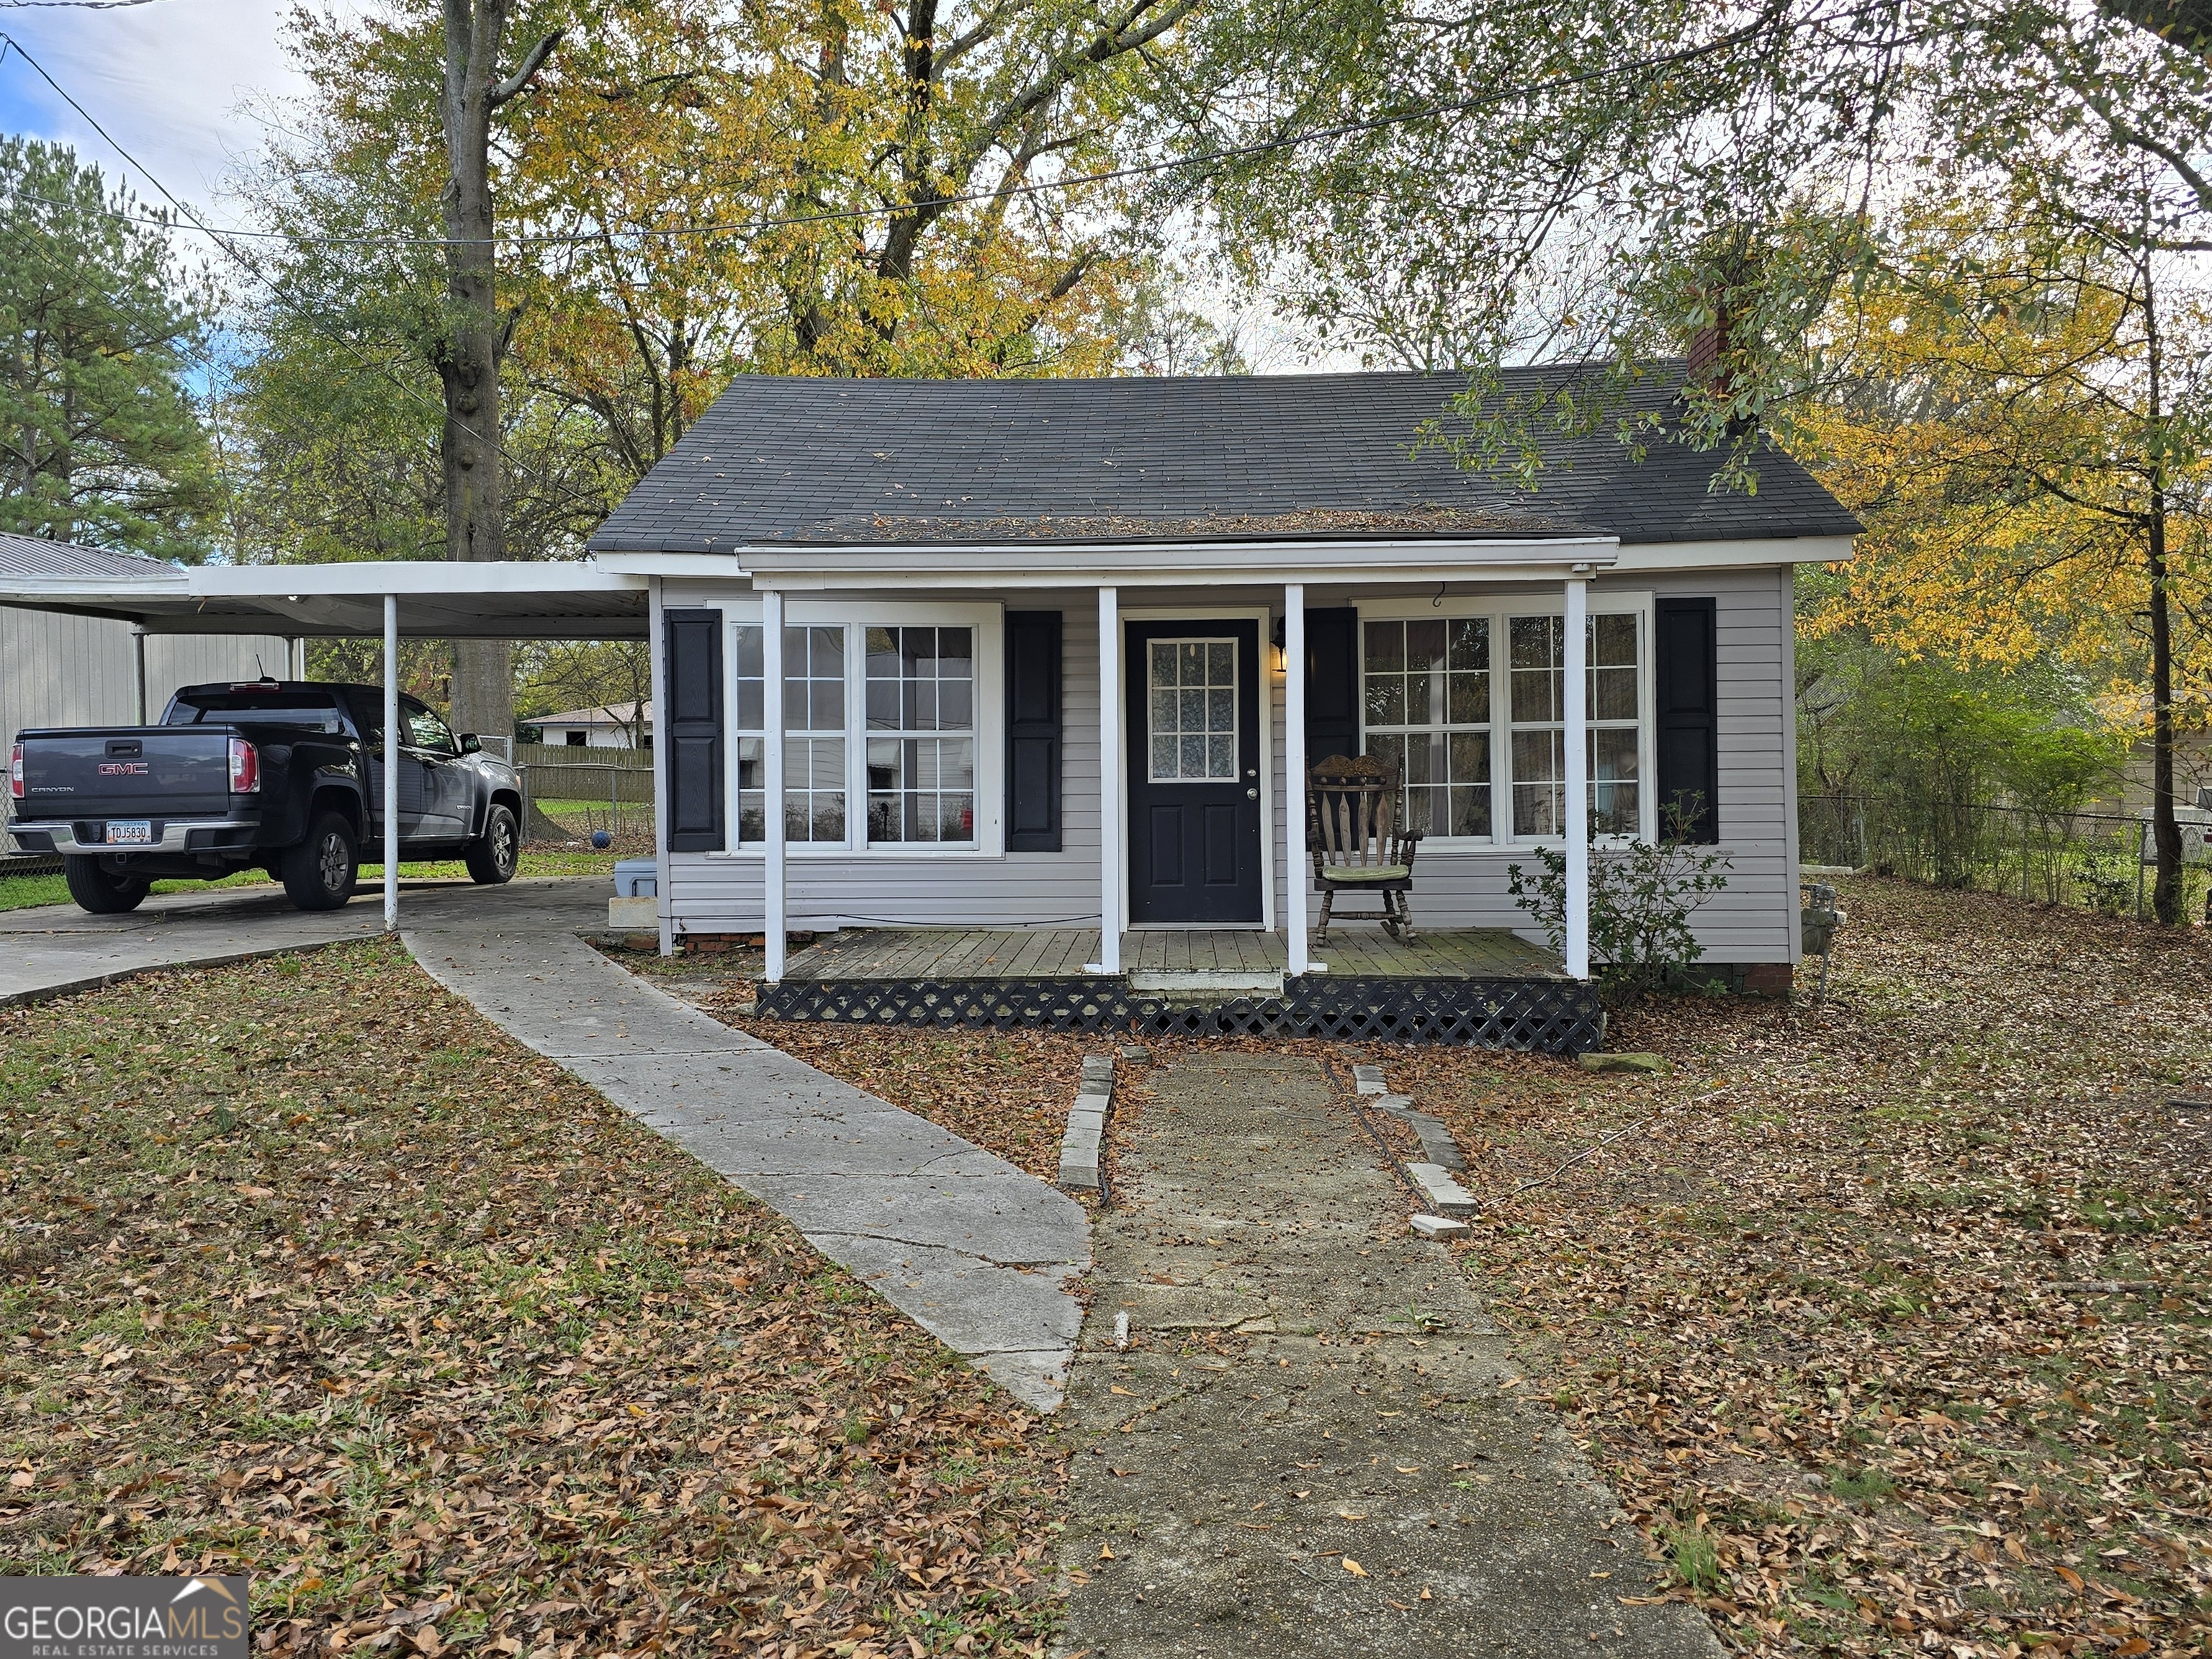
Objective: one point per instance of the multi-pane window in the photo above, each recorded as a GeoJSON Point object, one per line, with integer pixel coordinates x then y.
{"type": "Point", "coordinates": [1426, 707]}
{"type": "Point", "coordinates": [1536, 649]}
{"type": "Point", "coordinates": [814, 734]}
{"type": "Point", "coordinates": [1193, 690]}
{"type": "Point", "coordinates": [922, 734]}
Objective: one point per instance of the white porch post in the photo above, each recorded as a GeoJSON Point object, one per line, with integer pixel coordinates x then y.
{"type": "Point", "coordinates": [772, 894]}
{"type": "Point", "coordinates": [656, 644]}
{"type": "Point", "coordinates": [1294, 769]}
{"type": "Point", "coordinates": [391, 763]}
{"type": "Point", "coordinates": [1576, 715]}
{"type": "Point", "coordinates": [1109, 783]}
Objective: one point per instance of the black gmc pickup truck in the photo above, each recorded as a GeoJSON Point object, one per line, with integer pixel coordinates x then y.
{"type": "Point", "coordinates": [282, 774]}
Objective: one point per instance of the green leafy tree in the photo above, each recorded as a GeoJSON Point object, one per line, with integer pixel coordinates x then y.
{"type": "Point", "coordinates": [100, 330]}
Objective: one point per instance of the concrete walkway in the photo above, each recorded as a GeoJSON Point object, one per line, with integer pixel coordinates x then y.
{"type": "Point", "coordinates": [971, 1248]}
{"type": "Point", "coordinates": [1307, 1390]}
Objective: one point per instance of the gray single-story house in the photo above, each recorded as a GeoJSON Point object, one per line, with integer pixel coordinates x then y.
{"type": "Point", "coordinates": [1007, 691]}
{"type": "Point", "coordinates": [1014, 656]}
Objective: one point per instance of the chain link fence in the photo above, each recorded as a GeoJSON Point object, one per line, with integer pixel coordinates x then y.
{"type": "Point", "coordinates": [566, 802]}
{"type": "Point", "coordinates": [2104, 861]}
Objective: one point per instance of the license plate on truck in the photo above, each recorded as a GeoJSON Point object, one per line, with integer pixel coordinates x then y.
{"type": "Point", "coordinates": [131, 832]}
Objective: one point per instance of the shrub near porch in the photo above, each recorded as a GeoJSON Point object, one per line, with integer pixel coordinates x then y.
{"type": "Point", "coordinates": [1890, 1325]}
{"type": "Point", "coordinates": [315, 1276]}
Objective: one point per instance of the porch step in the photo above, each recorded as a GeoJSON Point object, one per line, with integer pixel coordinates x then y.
{"type": "Point", "coordinates": [1197, 983]}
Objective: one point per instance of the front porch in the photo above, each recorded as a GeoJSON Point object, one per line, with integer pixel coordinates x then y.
{"type": "Point", "coordinates": [1477, 987]}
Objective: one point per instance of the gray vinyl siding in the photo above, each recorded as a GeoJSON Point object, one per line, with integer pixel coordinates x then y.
{"type": "Point", "coordinates": [58, 670]}
{"type": "Point", "coordinates": [1753, 920]}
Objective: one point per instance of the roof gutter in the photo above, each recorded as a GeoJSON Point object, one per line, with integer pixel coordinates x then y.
{"type": "Point", "coordinates": [1132, 563]}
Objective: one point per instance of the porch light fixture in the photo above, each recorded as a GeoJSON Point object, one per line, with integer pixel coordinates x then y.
{"type": "Point", "coordinates": [1281, 662]}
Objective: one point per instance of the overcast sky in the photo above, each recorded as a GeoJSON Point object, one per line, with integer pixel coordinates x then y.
{"type": "Point", "coordinates": [171, 79]}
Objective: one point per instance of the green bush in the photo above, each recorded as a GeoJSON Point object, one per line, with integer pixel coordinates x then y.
{"type": "Point", "coordinates": [1642, 896]}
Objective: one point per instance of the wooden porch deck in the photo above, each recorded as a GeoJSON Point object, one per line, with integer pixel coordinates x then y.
{"type": "Point", "coordinates": [943, 953]}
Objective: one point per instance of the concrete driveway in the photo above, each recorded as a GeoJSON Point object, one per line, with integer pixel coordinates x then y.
{"type": "Point", "coordinates": [54, 949]}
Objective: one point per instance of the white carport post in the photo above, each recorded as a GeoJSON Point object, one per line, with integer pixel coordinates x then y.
{"type": "Point", "coordinates": [391, 763]}
{"type": "Point", "coordinates": [1294, 768]}
{"type": "Point", "coordinates": [1109, 783]}
{"type": "Point", "coordinates": [772, 894]}
{"type": "Point", "coordinates": [1576, 717]}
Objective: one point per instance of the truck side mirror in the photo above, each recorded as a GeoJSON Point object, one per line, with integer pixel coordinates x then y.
{"type": "Point", "coordinates": [470, 744]}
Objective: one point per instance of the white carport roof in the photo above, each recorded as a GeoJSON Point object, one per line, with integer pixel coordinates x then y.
{"type": "Point", "coordinates": [513, 599]}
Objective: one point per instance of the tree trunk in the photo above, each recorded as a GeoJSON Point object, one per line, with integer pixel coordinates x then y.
{"type": "Point", "coordinates": [2165, 828]}
{"type": "Point", "coordinates": [474, 338]}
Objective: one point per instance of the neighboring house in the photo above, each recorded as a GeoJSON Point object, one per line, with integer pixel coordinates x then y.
{"type": "Point", "coordinates": [59, 669]}
{"type": "Point", "coordinates": [594, 728]}
{"type": "Point", "coordinates": [1032, 641]}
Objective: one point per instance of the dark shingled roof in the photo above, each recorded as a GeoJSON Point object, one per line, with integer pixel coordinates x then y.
{"type": "Point", "coordinates": [804, 460]}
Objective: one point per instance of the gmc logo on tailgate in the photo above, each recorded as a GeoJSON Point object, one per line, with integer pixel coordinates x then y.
{"type": "Point", "coordinates": [123, 768]}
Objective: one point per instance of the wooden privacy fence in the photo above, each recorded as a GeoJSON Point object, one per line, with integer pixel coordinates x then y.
{"type": "Point", "coordinates": [2101, 861]}
{"type": "Point", "coordinates": [566, 800]}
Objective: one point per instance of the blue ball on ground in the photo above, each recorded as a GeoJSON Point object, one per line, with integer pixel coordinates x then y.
{"type": "Point", "coordinates": [601, 840]}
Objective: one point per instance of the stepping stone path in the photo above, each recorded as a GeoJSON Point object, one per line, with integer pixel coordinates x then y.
{"type": "Point", "coordinates": [1314, 1443]}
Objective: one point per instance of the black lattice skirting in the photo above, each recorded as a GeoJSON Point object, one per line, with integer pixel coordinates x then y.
{"type": "Point", "coordinates": [1543, 1015]}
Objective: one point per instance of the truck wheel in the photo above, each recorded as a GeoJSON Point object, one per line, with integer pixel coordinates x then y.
{"type": "Point", "coordinates": [492, 857]}
{"type": "Point", "coordinates": [97, 891]}
{"type": "Point", "coordinates": [319, 872]}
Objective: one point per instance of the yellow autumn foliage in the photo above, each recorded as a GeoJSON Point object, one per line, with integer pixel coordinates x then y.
{"type": "Point", "coordinates": [1986, 406]}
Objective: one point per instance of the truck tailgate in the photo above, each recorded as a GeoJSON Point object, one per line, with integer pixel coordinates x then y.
{"type": "Point", "coordinates": [126, 772]}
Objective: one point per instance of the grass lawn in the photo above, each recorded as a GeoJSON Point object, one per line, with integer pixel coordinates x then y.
{"type": "Point", "coordinates": [1888, 1320]}
{"type": "Point", "coordinates": [311, 1274]}
{"type": "Point", "coordinates": [20, 892]}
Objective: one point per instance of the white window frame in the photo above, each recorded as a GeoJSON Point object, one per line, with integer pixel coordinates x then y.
{"type": "Point", "coordinates": [1500, 612]}
{"type": "Point", "coordinates": [856, 617]}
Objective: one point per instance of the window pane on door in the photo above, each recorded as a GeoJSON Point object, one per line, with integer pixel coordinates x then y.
{"type": "Point", "coordinates": [1192, 694]}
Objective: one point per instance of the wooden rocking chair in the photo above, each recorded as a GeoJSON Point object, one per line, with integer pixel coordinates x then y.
{"type": "Point", "coordinates": [1356, 814]}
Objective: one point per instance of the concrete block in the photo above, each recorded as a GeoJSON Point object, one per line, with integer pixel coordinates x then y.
{"type": "Point", "coordinates": [1438, 1226]}
{"type": "Point", "coordinates": [624, 913]}
{"type": "Point", "coordinates": [1437, 1143]}
{"type": "Point", "coordinates": [1086, 1125]}
{"type": "Point", "coordinates": [1623, 1062]}
{"type": "Point", "coordinates": [1135, 1054]}
{"type": "Point", "coordinates": [1396, 1105]}
{"type": "Point", "coordinates": [1445, 1196]}
{"type": "Point", "coordinates": [1368, 1079]}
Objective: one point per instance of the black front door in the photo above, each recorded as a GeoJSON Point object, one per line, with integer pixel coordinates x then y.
{"type": "Point", "coordinates": [1194, 723]}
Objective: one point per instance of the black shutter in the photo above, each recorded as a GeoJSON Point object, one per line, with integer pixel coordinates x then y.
{"type": "Point", "coordinates": [1033, 723]}
{"type": "Point", "coordinates": [1688, 718]}
{"type": "Point", "coordinates": [1331, 683]}
{"type": "Point", "coordinates": [693, 728]}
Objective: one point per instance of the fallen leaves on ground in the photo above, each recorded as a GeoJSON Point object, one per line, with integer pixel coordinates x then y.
{"type": "Point", "coordinates": [309, 1274]}
{"type": "Point", "coordinates": [1888, 1319]}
